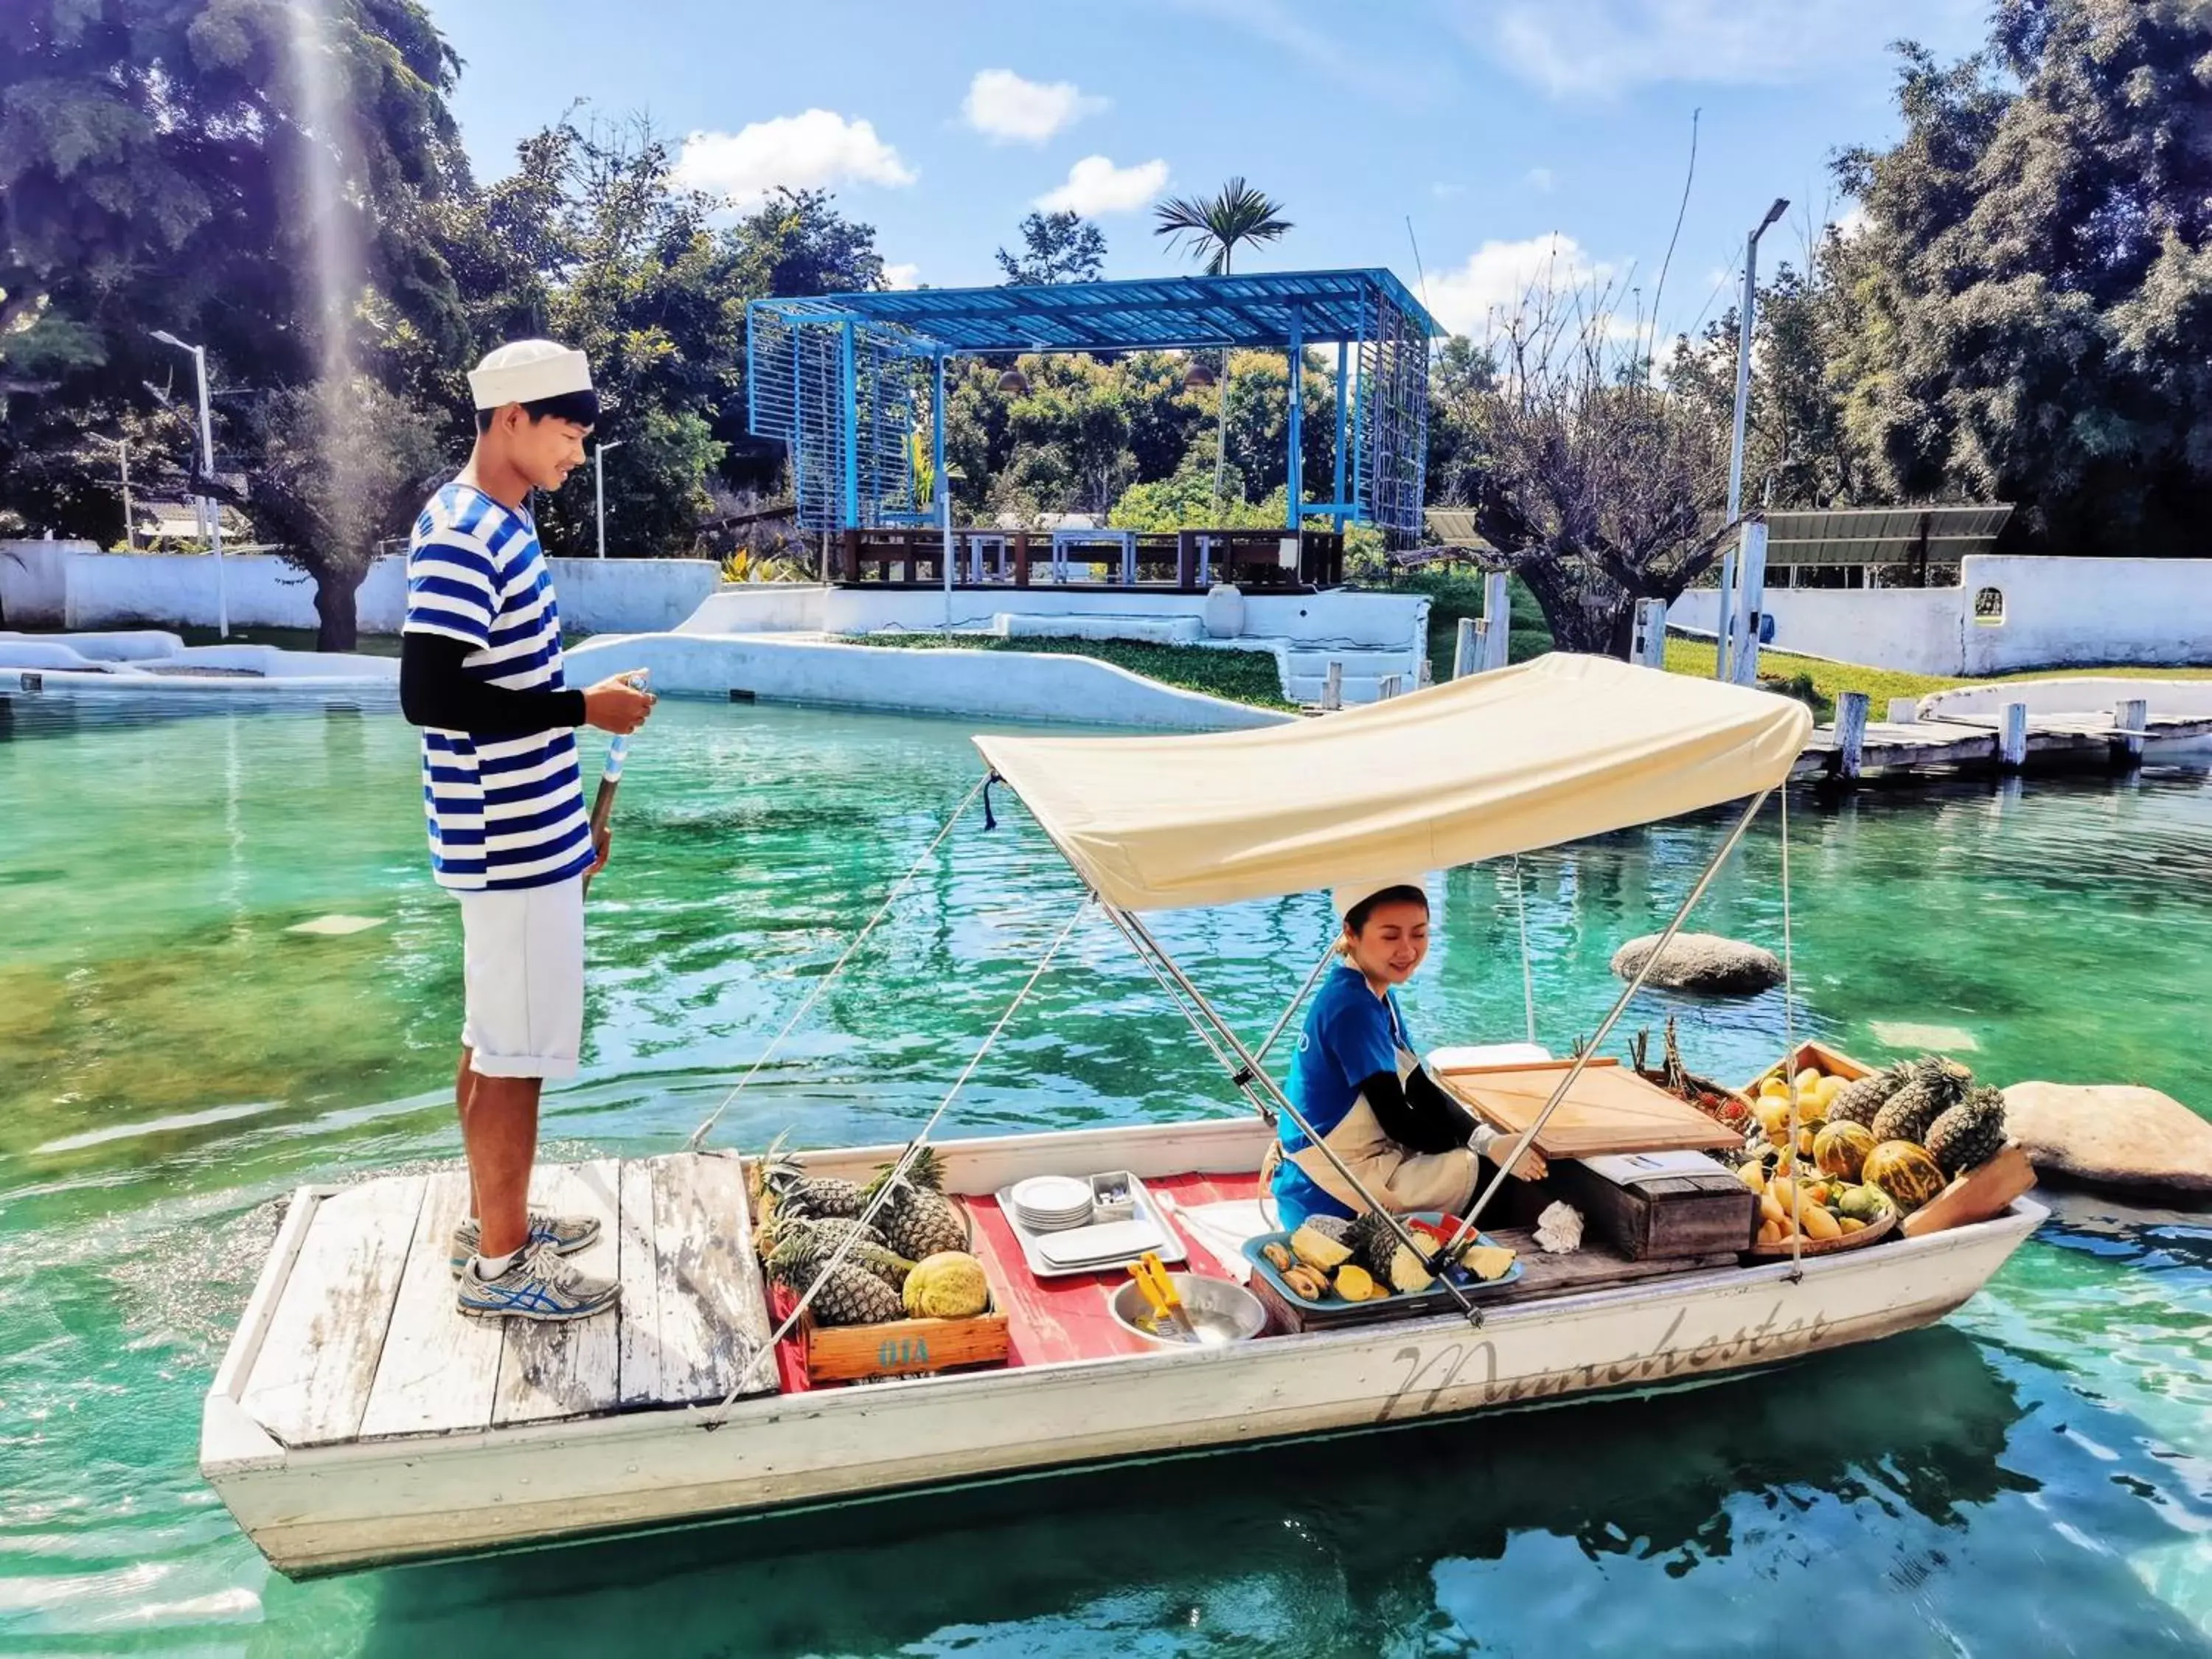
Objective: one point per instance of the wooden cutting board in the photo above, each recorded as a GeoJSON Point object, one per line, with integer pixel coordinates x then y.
{"type": "Point", "coordinates": [1609, 1110]}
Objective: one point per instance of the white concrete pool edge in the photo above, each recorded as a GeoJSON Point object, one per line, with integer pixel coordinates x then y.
{"type": "Point", "coordinates": [986, 684]}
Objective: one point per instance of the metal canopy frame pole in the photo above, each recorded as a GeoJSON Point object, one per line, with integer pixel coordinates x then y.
{"type": "Point", "coordinates": [1343, 363]}
{"type": "Point", "coordinates": [1251, 1071]}
{"type": "Point", "coordinates": [1293, 472]}
{"type": "Point", "coordinates": [1621, 1004]}
{"type": "Point", "coordinates": [849, 383]}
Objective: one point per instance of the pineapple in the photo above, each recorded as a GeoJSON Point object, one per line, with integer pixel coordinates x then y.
{"type": "Point", "coordinates": [1969, 1133]}
{"type": "Point", "coordinates": [1377, 1250]}
{"type": "Point", "coordinates": [1331, 1227]}
{"type": "Point", "coordinates": [806, 1240]}
{"type": "Point", "coordinates": [918, 1219]}
{"type": "Point", "coordinates": [1858, 1101]}
{"type": "Point", "coordinates": [853, 1296]}
{"type": "Point", "coordinates": [790, 1189]}
{"type": "Point", "coordinates": [861, 1290]}
{"type": "Point", "coordinates": [1934, 1087]}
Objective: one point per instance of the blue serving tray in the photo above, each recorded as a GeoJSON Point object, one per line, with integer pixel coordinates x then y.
{"type": "Point", "coordinates": [1334, 1310]}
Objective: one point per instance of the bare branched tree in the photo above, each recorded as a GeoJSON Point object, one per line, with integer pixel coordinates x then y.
{"type": "Point", "coordinates": [1602, 487]}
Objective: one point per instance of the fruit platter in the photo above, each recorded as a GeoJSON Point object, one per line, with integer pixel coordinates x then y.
{"type": "Point", "coordinates": [1873, 1148]}
{"type": "Point", "coordinates": [1330, 1265]}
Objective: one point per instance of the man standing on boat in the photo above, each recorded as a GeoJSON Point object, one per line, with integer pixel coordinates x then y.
{"type": "Point", "coordinates": [480, 673]}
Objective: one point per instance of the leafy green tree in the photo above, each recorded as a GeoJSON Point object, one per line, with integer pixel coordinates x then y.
{"type": "Point", "coordinates": [1463, 376]}
{"type": "Point", "coordinates": [170, 164]}
{"type": "Point", "coordinates": [1057, 247]}
{"type": "Point", "coordinates": [1799, 449]}
{"type": "Point", "coordinates": [1214, 227]}
{"type": "Point", "coordinates": [1258, 423]}
{"type": "Point", "coordinates": [342, 466]}
{"type": "Point", "coordinates": [2035, 278]}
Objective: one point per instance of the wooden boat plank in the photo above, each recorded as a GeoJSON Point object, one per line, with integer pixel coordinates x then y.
{"type": "Point", "coordinates": [1610, 1109]}
{"type": "Point", "coordinates": [312, 1381]}
{"type": "Point", "coordinates": [566, 1370]}
{"type": "Point", "coordinates": [637, 1342]}
{"type": "Point", "coordinates": [1589, 1268]}
{"type": "Point", "coordinates": [712, 1311]}
{"type": "Point", "coordinates": [439, 1369]}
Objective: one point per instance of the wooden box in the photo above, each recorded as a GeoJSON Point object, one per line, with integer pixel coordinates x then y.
{"type": "Point", "coordinates": [1977, 1195]}
{"type": "Point", "coordinates": [1831, 1061]}
{"type": "Point", "coordinates": [896, 1347]}
{"type": "Point", "coordinates": [1655, 1205]}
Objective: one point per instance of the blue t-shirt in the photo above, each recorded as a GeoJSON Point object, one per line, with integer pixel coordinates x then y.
{"type": "Point", "coordinates": [503, 812]}
{"type": "Point", "coordinates": [1350, 1035]}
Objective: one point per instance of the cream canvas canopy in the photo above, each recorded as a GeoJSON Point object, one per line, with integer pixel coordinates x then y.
{"type": "Point", "coordinates": [1532, 756]}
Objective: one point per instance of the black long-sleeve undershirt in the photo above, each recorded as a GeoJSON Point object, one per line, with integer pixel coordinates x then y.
{"type": "Point", "coordinates": [1418, 1114]}
{"type": "Point", "coordinates": [434, 689]}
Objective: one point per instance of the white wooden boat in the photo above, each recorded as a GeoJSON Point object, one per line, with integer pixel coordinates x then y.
{"type": "Point", "coordinates": [424, 1434]}
{"type": "Point", "coordinates": [357, 1419]}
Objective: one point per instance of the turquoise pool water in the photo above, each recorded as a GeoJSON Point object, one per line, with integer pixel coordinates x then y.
{"type": "Point", "coordinates": [2035, 1476]}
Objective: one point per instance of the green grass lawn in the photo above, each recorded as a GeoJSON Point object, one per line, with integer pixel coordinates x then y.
{"type": "Point", "coordinates": [1239, 676]}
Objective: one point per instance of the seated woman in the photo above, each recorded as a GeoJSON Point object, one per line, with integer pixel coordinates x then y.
{"type": "Point", "coordinates": [1356, 1080]}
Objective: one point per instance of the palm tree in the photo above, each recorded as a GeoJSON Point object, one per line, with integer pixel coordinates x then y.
{"type": "Point", "coordinates": [1214, 227]}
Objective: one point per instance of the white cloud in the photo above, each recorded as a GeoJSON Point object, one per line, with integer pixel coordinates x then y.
{"type": "Point", "coordinates": [1096, 185]}
{"type": "Point", "coordinates": [1490, 287]}
{"type": "Point", "coordinates": [1002, 106]}
{"type": "Point", "coordinates": [902, 276]}
{"type": "Point", "coordinates": [1539, 179]}
{"type": "Point", "coordinates": [1607, 46]}
{"type": "Point", "coordinates": [1851, 221]}
{"type": "Point", "coordinates": [800, 152]}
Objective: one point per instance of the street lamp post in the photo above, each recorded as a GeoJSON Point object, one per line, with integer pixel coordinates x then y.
{"type": "Point", "coordinates": [1725, 632]}
{"type": "Point", "coordinates": [211, 512]}
{"type": "Point", "coordinates": [599, 489]}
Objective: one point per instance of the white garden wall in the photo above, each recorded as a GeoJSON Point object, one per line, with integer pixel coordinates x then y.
{"type": "Point", "coordinates": [1352, 620]}
{"type": "Point", "coordinates": [2057, 613]}
{"type": "Point", "coordinates": [73, 584]}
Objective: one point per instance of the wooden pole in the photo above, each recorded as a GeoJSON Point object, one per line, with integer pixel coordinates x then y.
{"type": "Point", "coordinates": [1751, 602]}
{"type": "Point", "coordinates": [1389, 686]}
{"type": "Point", "coordinates": [2132, 718]}
{"type": "Point", "coordinates": [1903, 711]}
{"type": "Point", "coordinates": [1850, 733]}
{"type": "Point", "coordinates": [1331, 689]}
{"type": "Point", "coordinates": [1464, 649]}
{"type": "Point", "coordinates": [2012, 738]}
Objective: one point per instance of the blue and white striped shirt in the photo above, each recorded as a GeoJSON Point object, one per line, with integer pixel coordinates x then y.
{"type": "Point", "coordinates": [503, 812]}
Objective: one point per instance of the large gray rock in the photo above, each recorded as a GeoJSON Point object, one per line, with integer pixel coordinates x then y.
{"type": "Point", "coordinates": [1702, 962]}
{"type": "Point", "coordinates": [2113, 1135]}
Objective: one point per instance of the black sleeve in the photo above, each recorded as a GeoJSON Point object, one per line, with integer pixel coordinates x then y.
{"type": "Point", "coordinates": [1418, 1114]}
{"type": "Point", "coordinates": [434, 689]}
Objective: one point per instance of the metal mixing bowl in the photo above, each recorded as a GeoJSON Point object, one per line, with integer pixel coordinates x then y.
{"type": "Point", "coordinates": [1221, 1310]}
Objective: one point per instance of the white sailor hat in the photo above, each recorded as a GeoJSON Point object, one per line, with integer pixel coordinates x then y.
{"type": "Point", "coordinates": [524, 371]}
{"type": "Point", "coordinates": [1348, 895]}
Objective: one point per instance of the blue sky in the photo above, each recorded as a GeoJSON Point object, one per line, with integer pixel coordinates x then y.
{"type": "Point", "coordinates": [1511, 132]}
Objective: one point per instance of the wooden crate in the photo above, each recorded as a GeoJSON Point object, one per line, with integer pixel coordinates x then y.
{"type": "Point", "coordinates": [896, 1347]}
{"type": "Point", "coordinates": [1662, 1214]}
{"type": "Point", "coordinates": [1833, 1061]}
{"type": "Point", "coordinates": [1982, 1192]}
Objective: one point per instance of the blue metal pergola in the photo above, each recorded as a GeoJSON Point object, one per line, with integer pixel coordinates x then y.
{"type": "Point", "coordinates": [839, 379]}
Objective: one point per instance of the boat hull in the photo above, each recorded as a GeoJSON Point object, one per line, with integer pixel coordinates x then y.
{"type": "Point", "coordinates": [340, 1507]}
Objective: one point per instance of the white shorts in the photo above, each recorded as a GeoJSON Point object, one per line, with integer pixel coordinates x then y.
{"type": "Point", "coordinates": [523, 952]}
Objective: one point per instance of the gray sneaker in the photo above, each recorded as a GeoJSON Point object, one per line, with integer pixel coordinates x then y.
{"type": "Point", "coordinates": [537, 1285]}
{"type": "Point", "coordinates": [566, 1234]}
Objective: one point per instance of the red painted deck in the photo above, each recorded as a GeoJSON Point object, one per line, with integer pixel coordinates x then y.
{"type": "Point", "coordinates": [1058, 1319]}
{"type": "Point", "coordinates": [1051, 1320]}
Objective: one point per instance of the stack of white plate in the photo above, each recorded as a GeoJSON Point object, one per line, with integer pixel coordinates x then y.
{"type": "Point", "coordinates": [1051, 1203]}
